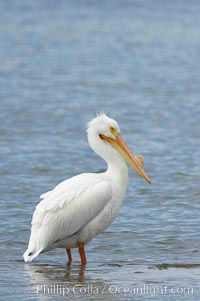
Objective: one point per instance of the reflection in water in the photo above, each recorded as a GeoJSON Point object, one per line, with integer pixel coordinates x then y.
{"type": "Point", "coordinates": [48, 273]}
{"type": "Point", "coordinates": [81, 273]}
{"type": "Point", "coordinates": [49, 281]}
{"type": "Point", "coordinates": [128, 280]}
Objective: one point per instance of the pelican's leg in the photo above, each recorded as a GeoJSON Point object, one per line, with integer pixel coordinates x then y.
{"type": "Point", "coordinates": [82, 252]}
{"type": "Point", "coordinates": [69, 254]}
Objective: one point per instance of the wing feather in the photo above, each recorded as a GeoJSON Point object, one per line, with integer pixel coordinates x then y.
{"type": "Point", "coordinates": [67, 208]}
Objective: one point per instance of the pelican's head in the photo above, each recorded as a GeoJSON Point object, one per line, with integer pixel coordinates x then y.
{"type": "Point", "coordinates": [105, 139]}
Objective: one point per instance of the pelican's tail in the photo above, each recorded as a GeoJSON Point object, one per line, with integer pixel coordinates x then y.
{"type": "Point", "coordinates": [30, 255]}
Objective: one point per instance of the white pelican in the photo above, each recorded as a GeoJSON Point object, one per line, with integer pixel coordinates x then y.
{"type": "Point", "coordinates": [78, 209]}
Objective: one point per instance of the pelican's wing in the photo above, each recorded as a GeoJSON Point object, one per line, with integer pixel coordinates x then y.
{"type": "Point", "coordinates": [67, 208]}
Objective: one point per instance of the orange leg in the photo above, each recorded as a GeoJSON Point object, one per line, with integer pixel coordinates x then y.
{"type": "Point", "coordinates": [82, 252]}
{"type": "Point", "coordinates": [69, 255]}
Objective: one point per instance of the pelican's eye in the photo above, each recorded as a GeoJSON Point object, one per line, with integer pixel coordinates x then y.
{"type": "Point", "coordinates": [113, 131]}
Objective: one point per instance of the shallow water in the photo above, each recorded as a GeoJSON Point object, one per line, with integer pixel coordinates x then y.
{"type": "Point", "coordinates": [63, 61]}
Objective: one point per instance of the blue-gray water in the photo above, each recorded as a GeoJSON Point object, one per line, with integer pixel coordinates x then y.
{"type": "Point", "coordinates": [60, 63]}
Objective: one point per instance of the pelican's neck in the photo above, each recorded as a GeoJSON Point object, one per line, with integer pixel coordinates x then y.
{"type": "Point", "coordinates": [117, 170]}
{"type": "Point", "coordinates": [116, 164]}
{"type": "Point", "coordinates": [117, 174]}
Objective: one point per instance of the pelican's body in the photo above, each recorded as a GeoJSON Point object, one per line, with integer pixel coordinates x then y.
{"type": "Point", "coordinates": [80, 208]}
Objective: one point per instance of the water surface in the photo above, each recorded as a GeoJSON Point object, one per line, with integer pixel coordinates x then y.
{"type": "Point", "coordinates": [63, 61]}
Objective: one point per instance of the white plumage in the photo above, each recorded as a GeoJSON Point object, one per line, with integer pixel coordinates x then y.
{"type": "Point", "coordinates": [80, 208]}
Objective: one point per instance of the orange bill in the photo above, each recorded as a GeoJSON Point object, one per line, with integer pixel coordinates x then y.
{"type": "Point", "coordinates": [120, 145]}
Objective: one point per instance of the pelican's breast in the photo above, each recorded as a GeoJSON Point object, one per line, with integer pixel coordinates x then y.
{"type": "Point", "coordinates": [119, 180]}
